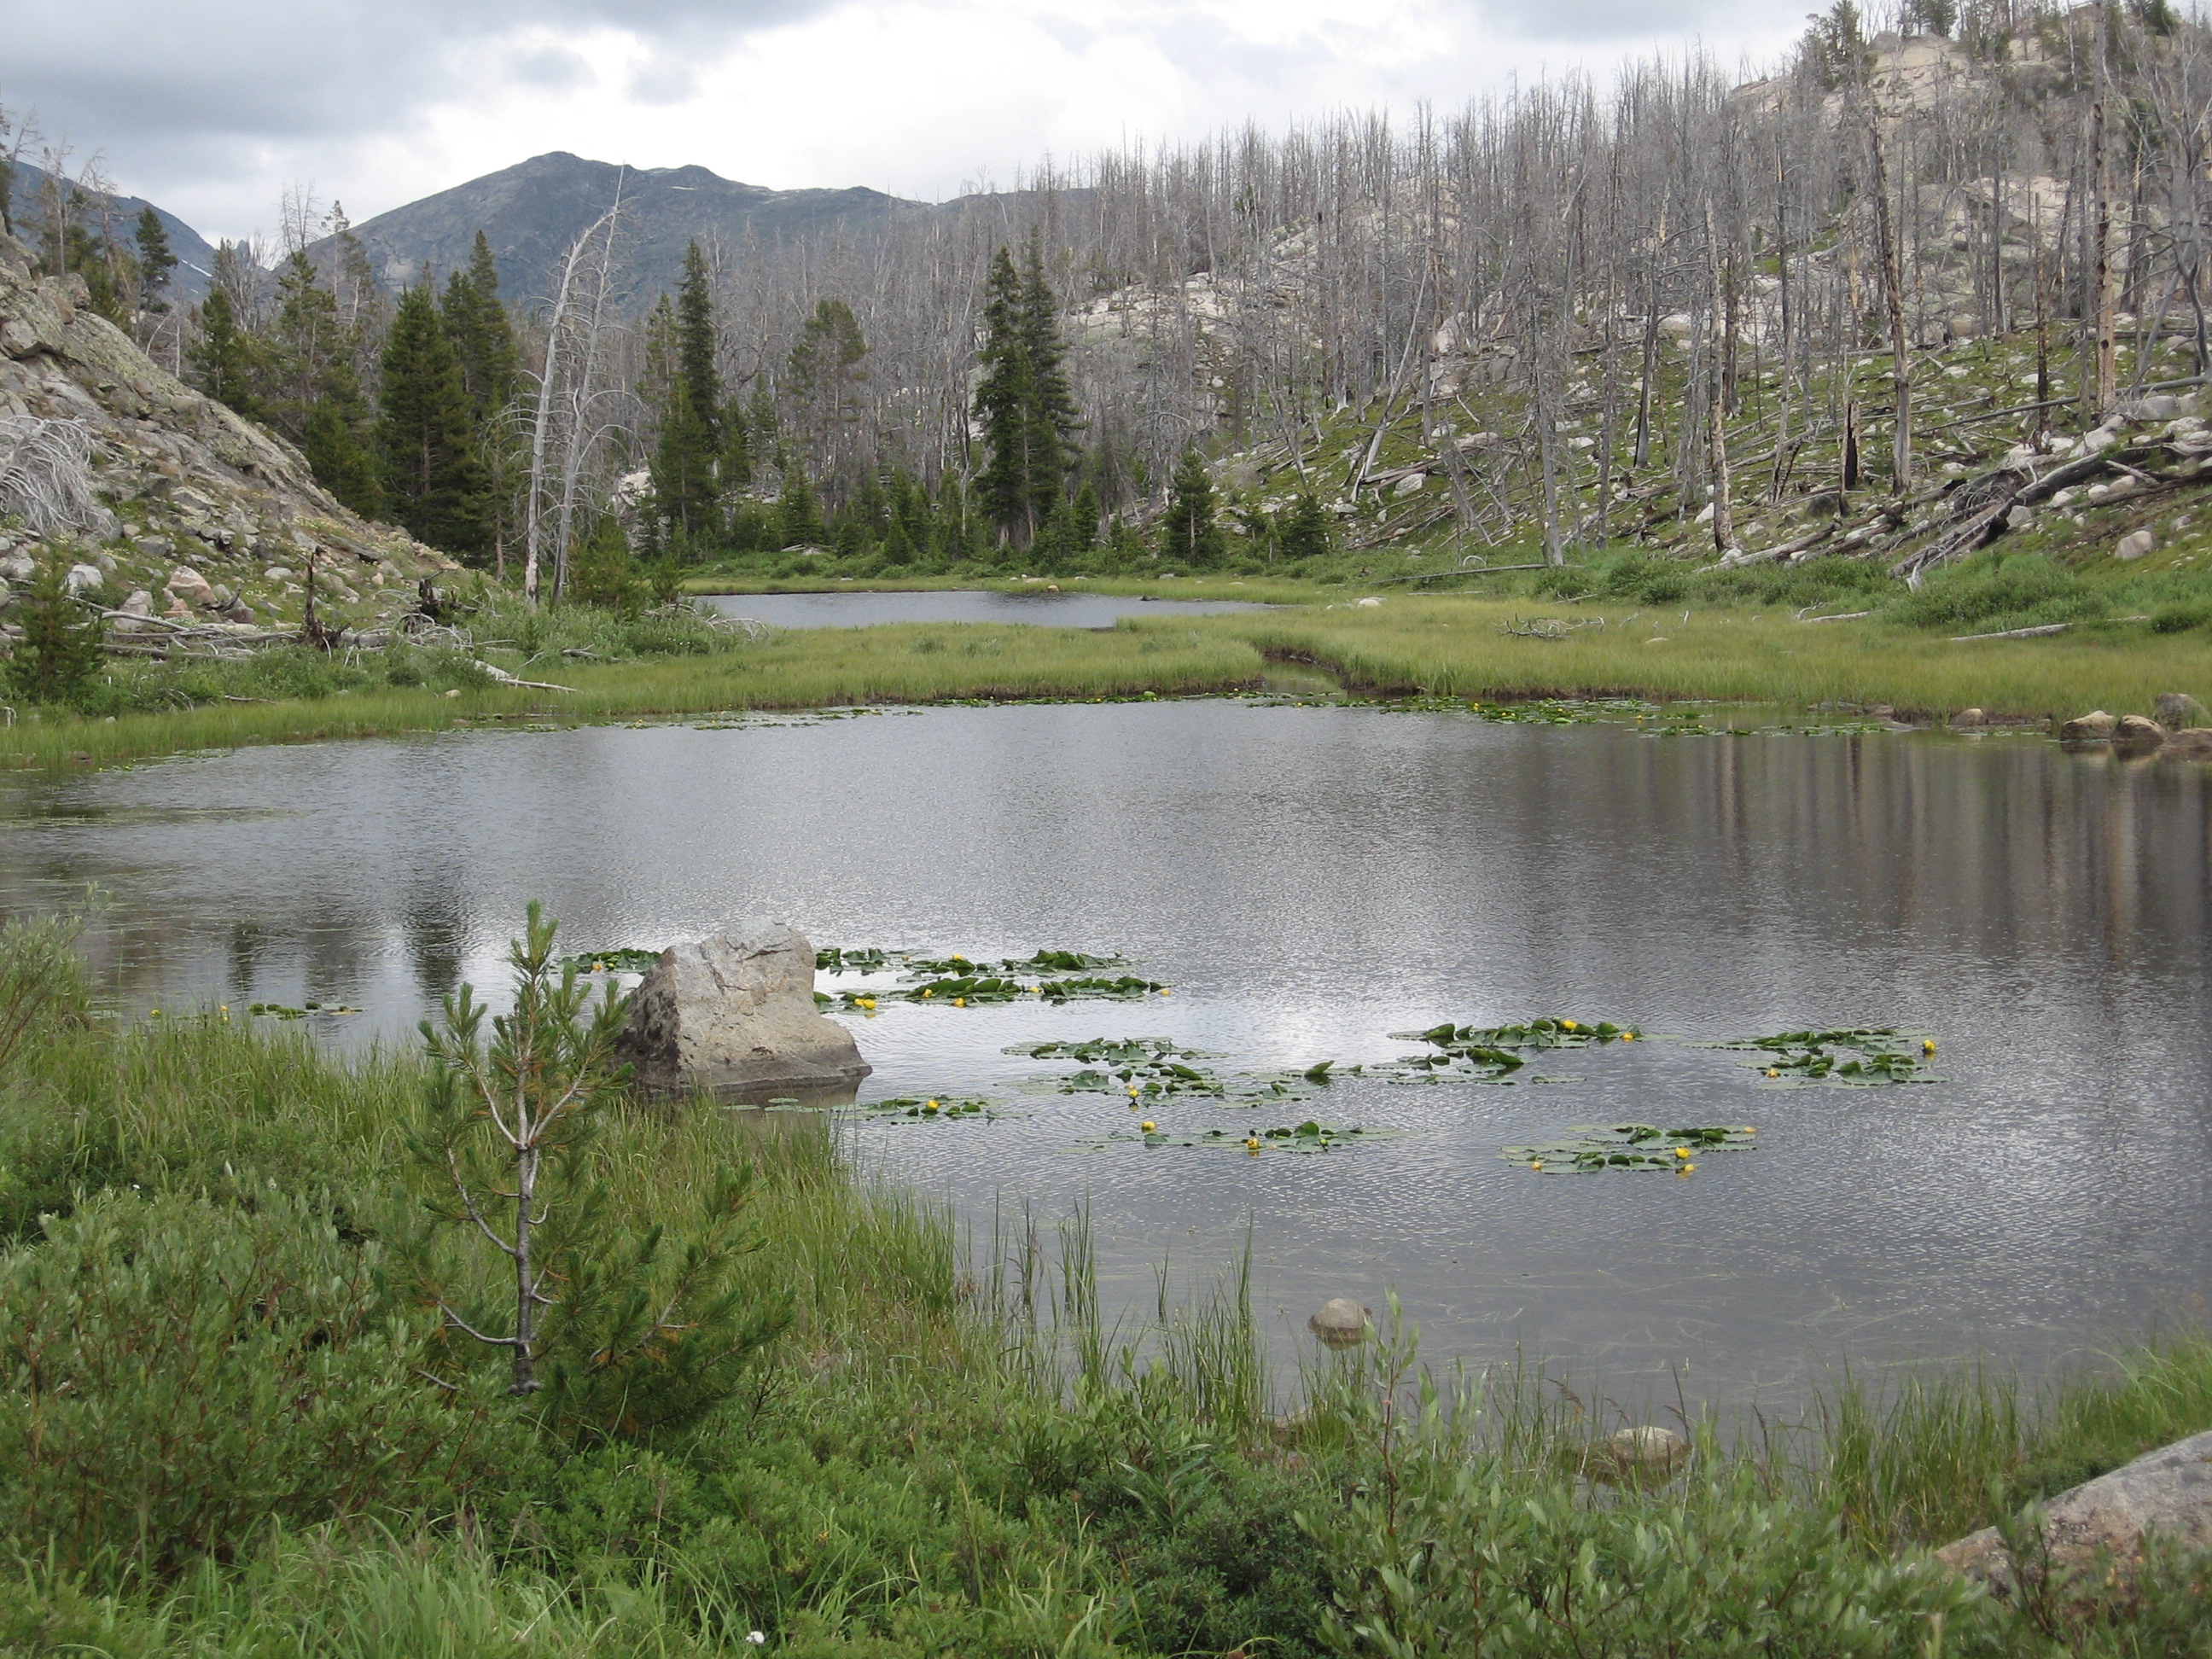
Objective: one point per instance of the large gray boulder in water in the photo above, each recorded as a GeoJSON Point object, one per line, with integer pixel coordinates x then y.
{"type": "Point", "coordinates": [735, 1014]}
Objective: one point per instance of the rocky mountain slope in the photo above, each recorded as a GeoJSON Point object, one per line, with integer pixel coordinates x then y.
{"type": "Point", "coordinates": [190, 509]}
{"type": "Point", "coordinates": [534, 210]}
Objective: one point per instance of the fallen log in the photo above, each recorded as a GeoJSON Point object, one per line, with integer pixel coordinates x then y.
{"type": "Point", "coordinates": [2013, 634]}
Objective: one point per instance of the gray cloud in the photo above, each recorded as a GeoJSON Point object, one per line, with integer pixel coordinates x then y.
{"type": "Point", "coordinates": [170, 90]}
{"type": "Point", "coordinates": [1600, 20]}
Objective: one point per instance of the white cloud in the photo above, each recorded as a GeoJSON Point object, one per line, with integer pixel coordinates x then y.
{"type": "Point", "coordinates": [379, 101]}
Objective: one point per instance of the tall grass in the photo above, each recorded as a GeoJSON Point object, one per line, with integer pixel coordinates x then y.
{"type": "Point", "coordinates": [1454, 647]}
{"type": "Point", "coordinates": [809, 668]}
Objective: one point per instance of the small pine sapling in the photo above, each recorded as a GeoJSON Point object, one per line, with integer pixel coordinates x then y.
{"type": "Point", "coordinates": [59, 653]}
{"type": "Point", "coordinates": [616, 1334]}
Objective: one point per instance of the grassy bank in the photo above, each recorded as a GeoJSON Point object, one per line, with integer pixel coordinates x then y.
{"type": "Point", "coordinates": [211, 1337]}
{"type": "Point", "coordinates": [1461, 647]}
{"type": "Point", "coordinates": [800, 669]}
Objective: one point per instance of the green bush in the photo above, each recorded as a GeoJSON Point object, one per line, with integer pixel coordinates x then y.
{"type": "Point", "coordinates": [179, 1374]}
{"type": "Point", "coordinates": [1991, 593]}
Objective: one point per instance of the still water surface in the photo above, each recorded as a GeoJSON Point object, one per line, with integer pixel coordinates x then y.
{"type": "Point", "coordinates": [1310, 879]}
{"type": "Point", "coordinates": [865, 610]}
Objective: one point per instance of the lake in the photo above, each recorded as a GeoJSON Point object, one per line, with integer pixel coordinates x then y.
{"type": "Point", "coordinates": [1309, 879]}
{"type": "Point", "coordinates": [862, 609]}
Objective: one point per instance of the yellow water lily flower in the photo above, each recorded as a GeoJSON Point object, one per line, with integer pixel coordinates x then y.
{"type": "Point", "coordinates": [928, 1105]}
{"type": "Point", "coordinates": [1928, 1045]}
{"type": "Point", "coordinates": [1748, 1130]}
{"type": "Point", "coordinates": [1251, 1143]}
{"type": "Point", "coordinates": [1147, 1126]}
{"type": "Point", "coordinates": [927, 993]}
{"type": "Point", "coordinates": [1684, 1168]}
{"type": "Point", "coordinates": [1537, 1164]}
{"type": "Point", "coordinates": [960, 1002]}
{"type": "Point", "coordinates": [1682, 1152]}
{"type": "Point", "coordinates": [1628, 1036]}
{"type": "Point", "coordinates": [1569, 1025]}
{"type": "Point", "coordinates": [1771, 1071]}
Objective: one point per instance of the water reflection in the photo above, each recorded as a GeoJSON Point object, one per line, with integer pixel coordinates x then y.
{"type": "Point", "coordinates": [1311, 880]}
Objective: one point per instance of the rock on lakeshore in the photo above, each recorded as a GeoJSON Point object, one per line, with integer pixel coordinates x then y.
{"type": "Point", "coordinates": [1341, 1322]}
{"type": "Point", "coordinates": [736, 1014]}
{"type": "Point", "coordinates": [2176, 710]}
{"type": "Point", "coordinates": [2093, 727]}
{"type": "Point", "coordinates": [2167, 1491]}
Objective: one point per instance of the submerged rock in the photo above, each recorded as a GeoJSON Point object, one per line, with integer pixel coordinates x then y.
{"type": "Point", "coordinates": [1341, 1322]}
{"type": "Point", "coordinates": [736, 1014]}
{"type": "Point", "coordinates": [2101, 1525]}
{"type": "Point", "coordinates": [1967, 720]}
{"type": "Point", "coordinates": [2093, 727]}
{"type": "Point", "coordinates": [2192, 744]}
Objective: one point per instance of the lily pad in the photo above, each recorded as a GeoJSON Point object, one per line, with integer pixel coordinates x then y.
{"type": "Point", "coordinates": [1866, 1055]}
{"type": "Point", "coordinates": [284, 1010]}
{"type": "Point", "coordinates": [941, 1109]}
{"type": "Point", "coordinates": [1533, 1034]}
{"type": "Point", "coordinates": [611, 962]}
{"type": "Point", "coordinates": [1643, 1146]}
{"type": "Point", "coordinates": [1311, 1136]}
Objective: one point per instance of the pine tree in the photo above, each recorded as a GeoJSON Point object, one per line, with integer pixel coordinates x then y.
{"type": "Point", "coordinates": [1053, 417]}
{"type": "Point", "coordinates": [682, 472]}
{"type": "Point", "coordinates": [312, 395]}
{"type": "Point", "coordinates": [698, 347]}
{"type": "Point", "coordinates": [156, 262]}
{"type": "Point", "coordinates": [433, 477]}
{"type": "Point", "coordinates": [1189, 536]}
{"type": "Point", "coordinates": [482, 332]}
{"type": "Point", "coordinates": [1304, 533]}
{"type": "Point", "coordinates": [1003, 400]}
{"type": "Point", "coordinates": [1082, 532]}
{"type": "Point", "coordinates": [59, 652]}
{"type": "Point", "coordinates": [798, 514]}
{"type": "Point", "coordinates": [225, 360]}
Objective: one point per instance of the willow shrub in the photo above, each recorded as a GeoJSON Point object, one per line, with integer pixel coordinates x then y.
{"type": "Point", "coordinates": [178, 1374]}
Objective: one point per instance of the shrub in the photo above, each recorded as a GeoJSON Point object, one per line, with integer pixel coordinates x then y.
{"type": "Point", "coordinates": [181, 1373]}
{"type": "Point", "coordinates": [1993, 592]}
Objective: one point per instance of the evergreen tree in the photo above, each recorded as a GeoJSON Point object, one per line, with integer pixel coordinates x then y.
{"type": "Point", "coordinates": [1052, 417]}
{"type": "Point", "coordinates": [734, 472]}
{"type": "Point", "coordinates": [682, 472]}
{"type": "Point", "coordinates": [822, 381]}
{"type": "Point", "coordinates": [798, 514]}
{"type": "Point", "coordinates": [433, 477]}
{"type": "Point", "coordinates": [1003, 399]}
{"type": "Point", "coordinates": [482, 334]}
{"type": "Point", "coordinates": [601, 571]}
{"type": "Point", "coordinates": [156, 262]}
{"type": "Point", "coordinates": [951, 536]}
{"type": "Point", "coordinates": [1189, 536]}
{"type": "Point", "coordinates": [1081, 536]}
{"type": "Point", "coordinates": [225, 360]}
{"type": "Point", "coordinates": [1304, 533]}
{"type": "Point", "coordinates": [697, 345]}
{"type": "Point", "coordinates": [313, 394]}
{"type": "Point", "coordinates": [59, 652]}
{"type": "Point", "coordinates": [898, 545]}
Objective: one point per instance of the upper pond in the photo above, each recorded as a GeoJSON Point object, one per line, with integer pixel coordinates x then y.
{"type": "Point", "coordinates": [865, 610]}
{"type": "Point", "coordinates": [1308, 880]}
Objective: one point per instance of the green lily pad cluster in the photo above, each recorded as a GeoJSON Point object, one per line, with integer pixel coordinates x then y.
{"type": "Point", "coordinates": [1310, 1136]}
{"type": "Point", "coordinates": [1644, 1146]}
{"type": "Point", "coordinates": [941, 1109]}
{"type": "Point", "coordinates": [285, 1010]}
{"type": "Point", "coordinates": [973, 990]}
{"type": "Point", "coordinates": [1862, 1055]}
{"type": "Point", "coordinates": [1531, 1034]}
{"type": "Point", "coordinates": [1137, 1066]}
{"type": "Point", "coordinates": [965, 981]}
{"type": "Point", "coordinates": [611, 962]}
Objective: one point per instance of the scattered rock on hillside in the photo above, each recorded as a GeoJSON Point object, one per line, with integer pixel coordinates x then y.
{"type": "Point", "coordinates": [2134, 544]}
{"type": "Point", "coordinates": [736, 1014]}
{"type": "Point", "coordinates": [181, 479]}
{"type": "Point", "coordinates": [2168, 1492]}
{"type": "Point", "coordinates": [2088, 728]}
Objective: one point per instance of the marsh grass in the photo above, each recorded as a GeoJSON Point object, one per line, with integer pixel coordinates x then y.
{"type": "Point", "coordinates": [954, 1449]}
{"type": "Point", "coordinates": [1454, 647]}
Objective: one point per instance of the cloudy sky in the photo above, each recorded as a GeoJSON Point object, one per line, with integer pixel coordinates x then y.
{"type": "Point", "coordinates": [212, 107]}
